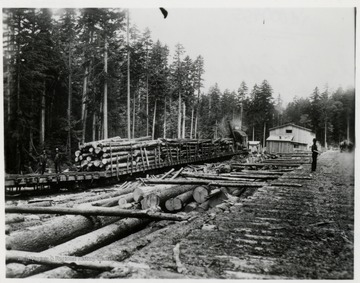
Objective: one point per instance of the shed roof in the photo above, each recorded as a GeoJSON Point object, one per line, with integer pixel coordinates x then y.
{"type": "Point", "coordinates": [280, 138]}
{"type": "Point", "coordinates": [254, 142]}
{"type": "Point", "coordinates": [290, 124]}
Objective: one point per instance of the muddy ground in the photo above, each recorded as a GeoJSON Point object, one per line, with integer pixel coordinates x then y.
{"type": "Point", "coordinates": [271, 233]}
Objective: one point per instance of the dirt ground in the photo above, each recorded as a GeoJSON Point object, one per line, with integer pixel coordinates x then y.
{"type": "Point", "coordinates": [271, 233]}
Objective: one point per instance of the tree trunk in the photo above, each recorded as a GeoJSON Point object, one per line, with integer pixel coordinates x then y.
{"type": "Point", "coordinates": [69, 103]}
{"type": "Point", "coordinates": [31, 132]}
{"type": "Point", "coordinates": [128, 78]}
{"type": "Point", "coordinates": [94, 126]}
{"type": "Point", "coordinates": [253, 133]}
{"type": "Point", "coordinates": [264, 136]}
{"type": "Point", "coordinates": [147, 104]}
{"type": "Point", "coordinates": [241, 115]}
{"type": "Point", "coordinates": [183, 120]}
{"type": "Point", "coordinates": [325, 134]}
{"type": "Point", "coordinates": [42, 127]}
{"type": "Point", "coordinates": [348, 127]}
{"type": "Point", "coordinates": [84, 102]}
{"type": "Point", "coordinates": [165, 118]}
{"type": "Point", "coordinates": [179, 116]}
{"type": "Point", "coordinates": [105, 111]}
{"type": "Point", "coordinates": [154, 121]}
{"type": "Point", "coordinates": [192, 121]}
{"type": "Point", "coordinates": [133, 114]}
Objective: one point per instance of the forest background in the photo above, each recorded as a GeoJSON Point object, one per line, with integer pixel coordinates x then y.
{"type": "Point", "coordinates": [66, 82]}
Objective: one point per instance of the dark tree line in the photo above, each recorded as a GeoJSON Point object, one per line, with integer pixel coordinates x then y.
{"type": "Point", "coordinates": [66, 82]}
{"type": "Point", "coordinates": [330, 115]}
{"type": "Point", "coordinates": [67, 77]}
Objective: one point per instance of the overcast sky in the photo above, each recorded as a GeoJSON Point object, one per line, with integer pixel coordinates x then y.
{"type": "Point", "coordinates": [295, 49]}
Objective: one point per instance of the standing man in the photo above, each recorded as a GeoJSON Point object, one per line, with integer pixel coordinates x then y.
{"type": "Point", "coordinates": [57, 160]}
{"type": "Point", "coordinates": [43, 162]}
{"type": "Point", "coordinates": [315, 153]}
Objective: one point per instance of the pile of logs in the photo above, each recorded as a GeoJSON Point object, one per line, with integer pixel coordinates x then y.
{"type": "Point", "coordinates": [117, 154]}
{"type": "Point", "coordinates": [98, 226]}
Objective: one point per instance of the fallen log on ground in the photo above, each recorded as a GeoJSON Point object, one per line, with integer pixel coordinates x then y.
{"type": "Point", "coordinates": [233, 177]}
{"type": "Point", "coordinates": [167, 173]}
{"type": "Point", "coordinates": [82, 245]}
{"type": "Point", "coordinates": [177, 173]}
{"type": "Point", "coordinates": [140, 192]}
{"type": "Point", "coordinates": [201, 193]}
{"type": "Point", "coordinates": [215, 177]}
{"type": "Point", "coordinates": [56, 231]}
{"type": "Point", "coordinates": [264, 164]}
{"type": "Point", "coordinates": [296, 178]}
{"type": "Point", "coordinates": [115, 200]}
{"type": "Point", "coordinates": [118, 251]}
{"type": "Point", "coordinates": [253, 172]}
{"type": "Point", "coordinates": [178, 203]}
{"type": "Point", "coordinates": [278, 171]}
{"type": "Point", "coordinates": [100, 211]}
{"type": "Point", "coordinates": [204, 182]}
{"type": "Point", "coordinates": [191, 206]}
{"type": "Point", "coordinates": [56, 261]}
{"type": "Point", "coordinates": [158, 198]}
{"type": "Point", "coordinates": [285, 185]}
{"type": "Point", "coordinates": [118, 192]}
{"type": "Point", "coordinates": [14, 218]}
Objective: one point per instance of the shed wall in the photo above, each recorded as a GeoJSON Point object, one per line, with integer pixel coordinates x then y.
{"type": "Point", "coordinates": [276, 146]}
{"type": "Point", "coordinates": [300, 135]}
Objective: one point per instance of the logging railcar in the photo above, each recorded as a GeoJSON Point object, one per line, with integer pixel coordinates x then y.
{"type": "Point", "coordinates": [163, 155]}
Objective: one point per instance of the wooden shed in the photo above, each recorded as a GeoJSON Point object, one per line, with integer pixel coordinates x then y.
{"type": "Point", "coordinates": [254, 146]}
{"type": "Point", "coordinates": [289, 138]}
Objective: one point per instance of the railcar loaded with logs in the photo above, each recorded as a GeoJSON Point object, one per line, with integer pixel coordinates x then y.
{"type": "Point", "coordinates": [115, 159]}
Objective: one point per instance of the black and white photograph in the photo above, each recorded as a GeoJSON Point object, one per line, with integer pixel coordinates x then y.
{"type": "Point", "coordinates": [160, 140]}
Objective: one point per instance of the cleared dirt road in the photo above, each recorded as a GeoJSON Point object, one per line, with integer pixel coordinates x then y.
{"type": "Point", "coordinates": [274, 232]}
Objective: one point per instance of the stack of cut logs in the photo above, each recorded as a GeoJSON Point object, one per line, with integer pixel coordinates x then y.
{"type": "Point", "coordinates": [116, 153]}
